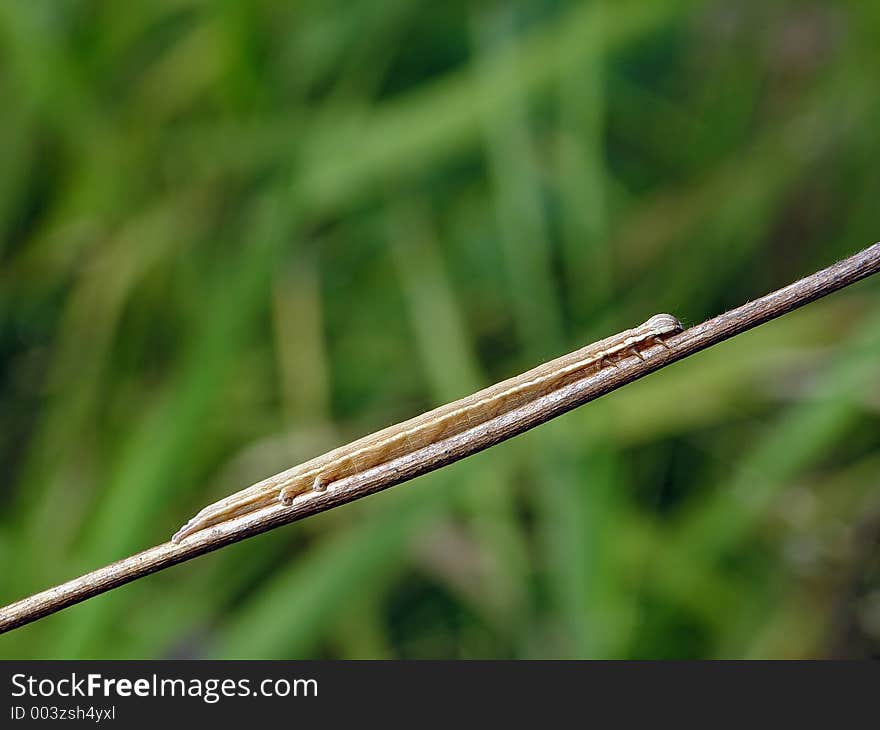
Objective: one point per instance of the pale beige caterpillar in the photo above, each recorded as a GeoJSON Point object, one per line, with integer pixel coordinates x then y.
{"type": "Point", "coordinates": [448, 420]}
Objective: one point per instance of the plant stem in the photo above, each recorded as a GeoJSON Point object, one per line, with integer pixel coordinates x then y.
{"type": "Point", "coordinates": [439, 454]}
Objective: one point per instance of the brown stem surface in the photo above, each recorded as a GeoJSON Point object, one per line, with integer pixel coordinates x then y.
{"type": "Point", "coordinates": [444, 452]}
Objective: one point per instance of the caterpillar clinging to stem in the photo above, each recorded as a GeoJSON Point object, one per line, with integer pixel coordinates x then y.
{"type": "Point", "coordinates": [451, 419]}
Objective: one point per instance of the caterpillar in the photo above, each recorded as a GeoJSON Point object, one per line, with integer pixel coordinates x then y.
{"type": "Point", "coordinates": [318, 474]}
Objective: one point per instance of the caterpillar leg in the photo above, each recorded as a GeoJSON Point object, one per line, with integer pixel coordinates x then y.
{"type": "Point", "coordinates": [320, 484]}
{"type": "Point", "coordinates": [288, 493]}
{"type": "Point", "coordinates": [635, 351]}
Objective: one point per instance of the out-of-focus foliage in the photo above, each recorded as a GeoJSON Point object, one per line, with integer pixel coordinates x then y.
{"type": "Point", "coordinates": [236, 234]}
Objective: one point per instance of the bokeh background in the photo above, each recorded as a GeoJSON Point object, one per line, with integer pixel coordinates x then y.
{"type": "Point", "coordinates": [235, 235]}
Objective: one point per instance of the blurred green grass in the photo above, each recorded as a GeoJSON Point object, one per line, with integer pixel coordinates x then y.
{"type": "Point", "coordinates": [235, 235]}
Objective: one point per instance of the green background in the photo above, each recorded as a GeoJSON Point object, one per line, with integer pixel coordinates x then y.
{"type": "Point", "coordinates": [236, 235]}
